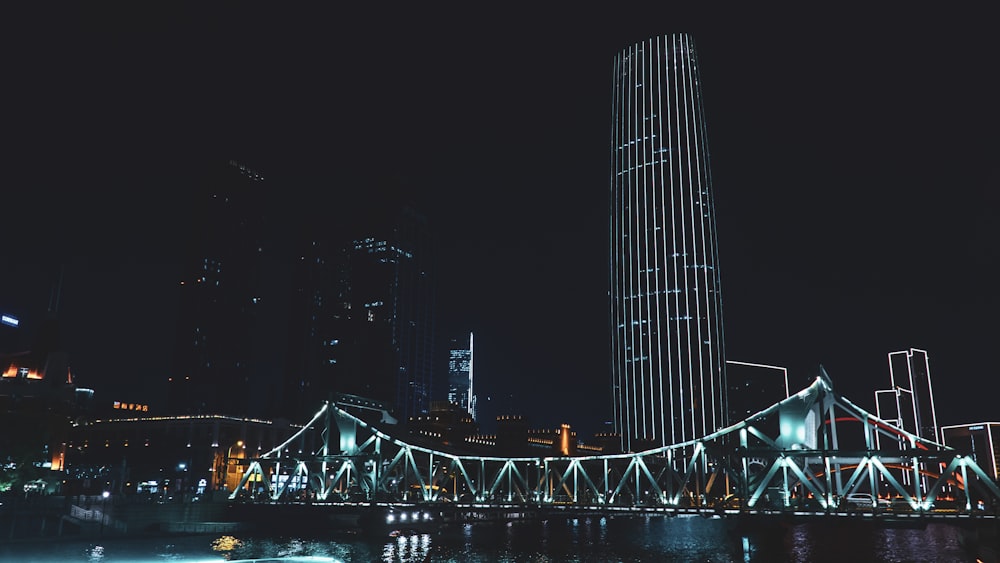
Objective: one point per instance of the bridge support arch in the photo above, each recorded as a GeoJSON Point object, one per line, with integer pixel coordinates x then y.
{"type": "Point", "coordinates": [809, 452]}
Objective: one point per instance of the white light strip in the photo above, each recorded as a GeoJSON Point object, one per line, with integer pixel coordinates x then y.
{"type": "Point", "coordinates": [656, 112]}
{"type": "Point", "coordinates": [930, 393]}
{"type": "Point", "coordinates": [698, 225]}
{"type": "Point", "coordinates": [680, 102]}
{"type": "Point", "coordinates": [993, 456]}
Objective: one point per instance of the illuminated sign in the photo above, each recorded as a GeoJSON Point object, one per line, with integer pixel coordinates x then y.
{"type": "Point", "coordinates": [131, 406]}
{"type": "Point", "coordinates": [9, 320]}
{"type": "Point", "coordinates": [978, 427]}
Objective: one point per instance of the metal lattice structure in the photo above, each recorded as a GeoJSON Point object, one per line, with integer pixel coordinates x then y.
{"type": "Point", "coordinates": [808, 452]}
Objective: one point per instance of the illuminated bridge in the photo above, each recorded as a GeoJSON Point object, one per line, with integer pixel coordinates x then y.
{"type": "Point", "coordinates": [813, 454]}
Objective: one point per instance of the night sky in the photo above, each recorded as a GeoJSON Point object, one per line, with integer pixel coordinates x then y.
{"type": "Point", "coordinates": [854, 162]}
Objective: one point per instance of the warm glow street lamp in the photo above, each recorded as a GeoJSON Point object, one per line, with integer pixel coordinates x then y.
{"type": "Point", "coordinates": [104, 509]}
{"type": "Point", "coordinates": [229, 461]}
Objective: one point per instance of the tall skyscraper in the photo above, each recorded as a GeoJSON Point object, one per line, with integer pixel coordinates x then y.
{"type": "Point", "coordinates": [362, 312]}
{"type": "Point", "coordinates": [321, 341]}
{"type": "Point", "coordinates": [230, 340]}
{"type": "Point", "coordinates": [668, 372]}
{"type": "Point", "coordinates": [392, 298]}
{"type": "Point", "coordinates": [359, 305]}
{"type": "Point", "coordinates": [460, 375]}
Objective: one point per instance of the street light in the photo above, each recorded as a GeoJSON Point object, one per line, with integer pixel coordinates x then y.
{"type": "Point", "coordinates": [229, 456]}
{"type": "Point", "coordinates": [238, 444]}
{"type": "Point", "coordinates": [104, 509]}
{"type": "Point", "coordinates": [181, 486]}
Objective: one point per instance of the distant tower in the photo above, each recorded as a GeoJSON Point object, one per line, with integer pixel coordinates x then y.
{"type": "Point", "coordinates": [668, 360]}
{"type": "Point", "coordinates": [460, 376]}
{"type": "Point", "coordinates": [909, 403]}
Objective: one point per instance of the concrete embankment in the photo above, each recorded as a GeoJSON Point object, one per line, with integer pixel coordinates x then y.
{"type": "Point", "coordinates": [54, 517]}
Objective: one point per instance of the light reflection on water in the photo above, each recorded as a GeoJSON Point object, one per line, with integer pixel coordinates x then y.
{"type": "Point", "coordinates": [579, 540]}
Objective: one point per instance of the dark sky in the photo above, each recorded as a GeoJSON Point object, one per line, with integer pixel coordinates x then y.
{"type": "Point", "coordinates": [853, 156]}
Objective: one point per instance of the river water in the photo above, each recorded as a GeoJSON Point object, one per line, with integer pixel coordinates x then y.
{"type": "Point", "coordinates": [583, 540]}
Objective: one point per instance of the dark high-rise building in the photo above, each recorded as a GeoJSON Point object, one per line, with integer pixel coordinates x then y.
{"type": "Point", "coordinates": [39, 398]}
{"type": "Point", "coordinates": [753, 388]}
{"type": "Point", "coordinates": [460, 375]}
{"type": "Point", "coordinates": [229, 347]}
{"type": "Point", "coordinates": [362, 309]}
{"type": "Point", "coordinates": [320, 341]}
{"type": "Point", "coordinates": [980, 440]}
{"type": "Point", "coordinates": [668, 372]}
{"type": "Point", "coordinates": [391, 300]}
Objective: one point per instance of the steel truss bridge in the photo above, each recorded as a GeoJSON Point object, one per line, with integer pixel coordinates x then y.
{"type": "Point", "coordinates": [814, 453]}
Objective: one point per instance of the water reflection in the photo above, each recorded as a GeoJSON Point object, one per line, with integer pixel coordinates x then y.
{"type": "Point", "coordinates": [910, 545]}
{"type": "Point", "coordinates": [579, 540]}
{"type": "Point", "coordinates": [225, 544]}
{"type": "Point", "coordinates": [406, 549]}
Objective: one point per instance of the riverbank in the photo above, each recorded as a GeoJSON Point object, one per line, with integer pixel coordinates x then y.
{"type": "Point", "coordinates": [48, 518]}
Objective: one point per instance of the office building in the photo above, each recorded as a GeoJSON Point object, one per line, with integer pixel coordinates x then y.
{"type": "Point", "coordinates": [668, 358]}
{"type": "Point", "coordinates": [39, 399]}
{"type": "Point", "coordinates": [185, 455]}
{"type": "Point", "coordinates": [391, 298]}
{"type": "Point", "coordinates": [361, 319]}
{"type": "Point", "coordinates": [909, 401]}
{"type": "Point", "coordinates": [446, 426]}
{"type": "Point", "coordinates": [460, 375]}
{"type": "Point", "coordinates": [320, 336]}
{"type": "Point", "coordinates": [980, 440]}
{"type": "Point", "coordinates": [911, 369]}
{"type": "Point", "coordinates": [753, 388]}
{"type": "Point", "coordinates": [230, 340]}
{"type": "Point", "coordinates": [8, 332]}
{"type": "Point", "coordinates": [359, 306]}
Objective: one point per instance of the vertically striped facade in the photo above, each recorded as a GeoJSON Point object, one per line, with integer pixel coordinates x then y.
{"type": "Point", "coordinates": [666, 305]}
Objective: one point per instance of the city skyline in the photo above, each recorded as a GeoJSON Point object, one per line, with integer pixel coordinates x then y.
{"type": "Point", "coordinates": [834, 151]}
